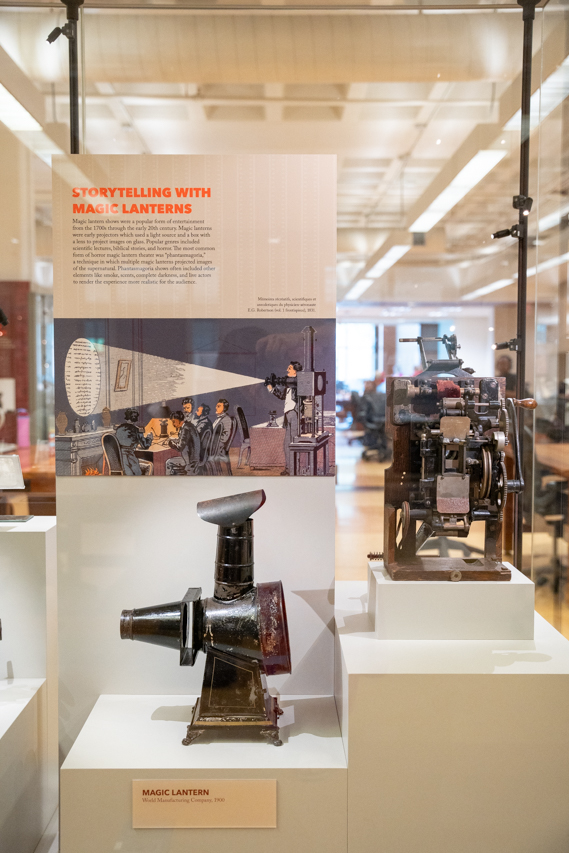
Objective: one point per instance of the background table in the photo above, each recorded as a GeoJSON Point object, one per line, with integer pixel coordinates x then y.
{"type": "Point", "coordinates": [158, 453]}
{"type": "Point", "coordinates": [554, 456]}
{"type": "Point", "coordinates": [267, 445]}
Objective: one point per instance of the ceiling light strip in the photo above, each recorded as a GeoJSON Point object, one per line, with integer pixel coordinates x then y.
{"type": "Point", "coordinates": [394, 254]}
{"type": "Point", "coordinates": [551, 263]}
{"type": "Point", "coordinates": [14, 115]}
{"type": "Point", "coordinates": [553, 92]}
{"type": "Point", "coordinates": [481, 164]}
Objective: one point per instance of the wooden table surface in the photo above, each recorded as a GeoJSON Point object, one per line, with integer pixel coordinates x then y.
{"type": "Point", "coordinates": [158, 452]}
{"type": "Point", "coordinates": [554, 456]}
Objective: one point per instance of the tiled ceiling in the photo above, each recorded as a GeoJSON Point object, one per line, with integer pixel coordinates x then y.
{"type": "Point", "coordinates": [399, 97]}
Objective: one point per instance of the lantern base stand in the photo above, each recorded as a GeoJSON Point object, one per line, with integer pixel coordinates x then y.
{"type": "Point", "coordinates": [248, 729]}
{"type": "Point", "coordinates": [234, 702]}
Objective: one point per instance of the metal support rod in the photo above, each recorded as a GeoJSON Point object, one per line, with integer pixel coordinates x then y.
{"type": "Point", "coordinates": [81, 26]}
{"type": "Point", "coordinates": [528, 7]}
{"type": "Point", "coordinates": [73, 87]}
{"type": "Point", "coordinates": [70, 32]}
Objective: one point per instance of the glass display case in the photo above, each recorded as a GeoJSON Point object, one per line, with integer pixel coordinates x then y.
{"type": "Point", "coordinates": [420, 104]}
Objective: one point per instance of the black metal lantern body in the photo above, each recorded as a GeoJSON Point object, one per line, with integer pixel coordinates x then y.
{"type": "Point", "coordinates": [242, 629]}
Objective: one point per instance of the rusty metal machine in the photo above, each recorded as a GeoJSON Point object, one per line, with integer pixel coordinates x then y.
{"type": "Point", "coordinates": [242, 629]}
{"type": "Point", "coordinates": [450, 432]}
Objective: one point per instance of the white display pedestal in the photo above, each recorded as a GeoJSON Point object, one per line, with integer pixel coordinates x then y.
{"type": "Point", "coordinates": [26, 799]}
{"type": "Point", "coordinates": [139, 737]}
{"type": "Point", "coordinates": [453, 746]}
{"type": "Point", "coordinates": [28, 658]}
{"type": "Point", "coordinates": [446, 610]}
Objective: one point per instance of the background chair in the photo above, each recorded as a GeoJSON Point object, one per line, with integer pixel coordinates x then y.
{"type": "Point", "coordinates": [112, 454]}
{"type": "Point", "coordinates": [113, 459]}
{"type": "Point", "coordinates": [205, 446]}
{"type": "Point", "coordinates": [245, 442]}
{"type": "Point", "coordinates": [219, 462]}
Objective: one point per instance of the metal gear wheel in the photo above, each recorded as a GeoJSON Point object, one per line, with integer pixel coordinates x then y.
{"type": "Point", "coordinates": [500, 490]}
{"type": "Point", "coordinates": [404, 521]}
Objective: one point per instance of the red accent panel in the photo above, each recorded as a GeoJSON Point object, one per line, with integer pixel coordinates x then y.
{"type": "Point", "coordinates": [447, 388]}
{"type": "Point", "coordinates": [14, 346]}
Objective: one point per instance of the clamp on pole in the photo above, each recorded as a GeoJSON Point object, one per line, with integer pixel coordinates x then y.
{"type": "Point", "coordinates": [69, 30]}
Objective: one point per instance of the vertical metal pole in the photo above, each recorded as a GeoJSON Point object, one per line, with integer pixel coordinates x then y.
{"type": "Point", "coordinates": [73, 88]}
{"type": "Point", "coordinates": [528, 18]}
{"type": "Point", "coordinates": [83, 81]}
{"type": "Point", "coordinates": [70, 31]}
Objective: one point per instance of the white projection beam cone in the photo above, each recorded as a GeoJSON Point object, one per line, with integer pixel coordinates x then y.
{"type": "Point", "coordinates": [125, 378]}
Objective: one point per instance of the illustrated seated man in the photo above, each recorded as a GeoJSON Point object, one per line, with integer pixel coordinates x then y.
{"type": "Point", "coordinates": [189, 410]}
{"type": "Point", "coordinates": [288, 392]}
{"type": "Point", "coordinates": [129, 437]}
{"type": "Point", "coordinates": [223, 432]}
{"type": "Point", "coordinates": [188, 445]}
{"type": "Point", "coordinates": [202, 422]}
{"type": "Point", "coordinates": [223, 422]}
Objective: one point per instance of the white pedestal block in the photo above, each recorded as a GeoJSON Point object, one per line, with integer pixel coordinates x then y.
{"type": "Point", "coordinates": [26, 801]}
{"type": "Point", "coordinates": [28, 650]}
{"type": "Point", "coordinates": [452, 745]}
{"type": "Point", "coordinates": [446, 610]}
{"type": "Point", "coordinates": [139, 737]}
{"type": "Point", "coordinates": [28, 597]}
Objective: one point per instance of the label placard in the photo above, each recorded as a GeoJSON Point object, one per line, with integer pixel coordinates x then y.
{"type": "Point", "coordinates": [188, 803]}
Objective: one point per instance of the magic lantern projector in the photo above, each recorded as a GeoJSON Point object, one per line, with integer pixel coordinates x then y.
{"type": "Point", "coordinates": [242, 629]}
{"type": "Point", "coordinates": [450, 432]}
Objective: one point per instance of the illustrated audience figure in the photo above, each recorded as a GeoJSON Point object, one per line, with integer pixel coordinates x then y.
{"type": "Point", "coordinates": [202, 422]}
{"type": "Point", "coordinates": [130, 437]}
{"type": "Point", "coordinates": [222, 421]}
{"type": "Point", "coordinates": [187, 444]}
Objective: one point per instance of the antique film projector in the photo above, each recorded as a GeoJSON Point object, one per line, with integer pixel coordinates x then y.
{"type": "Point", "coordinates": [242, 629]}
{"type": "Point", "coordinates": [450, 432]}
{"type": "Point", "coordinates": [310, 386]}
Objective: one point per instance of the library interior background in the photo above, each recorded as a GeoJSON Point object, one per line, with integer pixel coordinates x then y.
{"type": "Point", "coordinates": [420, 104]}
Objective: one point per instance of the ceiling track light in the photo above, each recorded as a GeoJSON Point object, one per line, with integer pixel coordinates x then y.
{"type": "Point", "coordinates": [475, 170]}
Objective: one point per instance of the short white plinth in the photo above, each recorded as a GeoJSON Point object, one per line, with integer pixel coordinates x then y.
{"type": "Point", "coordinates": [29, 749]}
{"type": "Point", "coordinates": [26, 803]}
{"type": "Point", "coordinates": [447, 610]}
{"type": "Point", "coordinates": [139, 737]}
{"type": "Point", "coordinates": [454, 746]}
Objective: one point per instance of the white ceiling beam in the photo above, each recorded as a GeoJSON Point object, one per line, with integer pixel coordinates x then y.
{"type": "Point", "coordinates": [46, 138]}
{"type": "Point", "coordinates": [273, 101]}
{"type": "Point", "coordinates": [395, 239]}
{"type": "Point", "coordinates": [355, 95]}
{"type": "Point", "coordinates": [268, 96]}
{"type": "Point", "coordinates": [120, 112]}
{"type": "Point", "coordinates": [21, 87]}
{"type": "Point", "coordinates": [436, 98]}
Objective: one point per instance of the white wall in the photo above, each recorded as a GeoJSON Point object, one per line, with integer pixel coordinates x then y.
{"type": "Point", "coordinates": [27, 565]}
{"type": "Point", "coordinates": [127, 542]}
{"type": "Point", "coordinates": [476, 341]}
